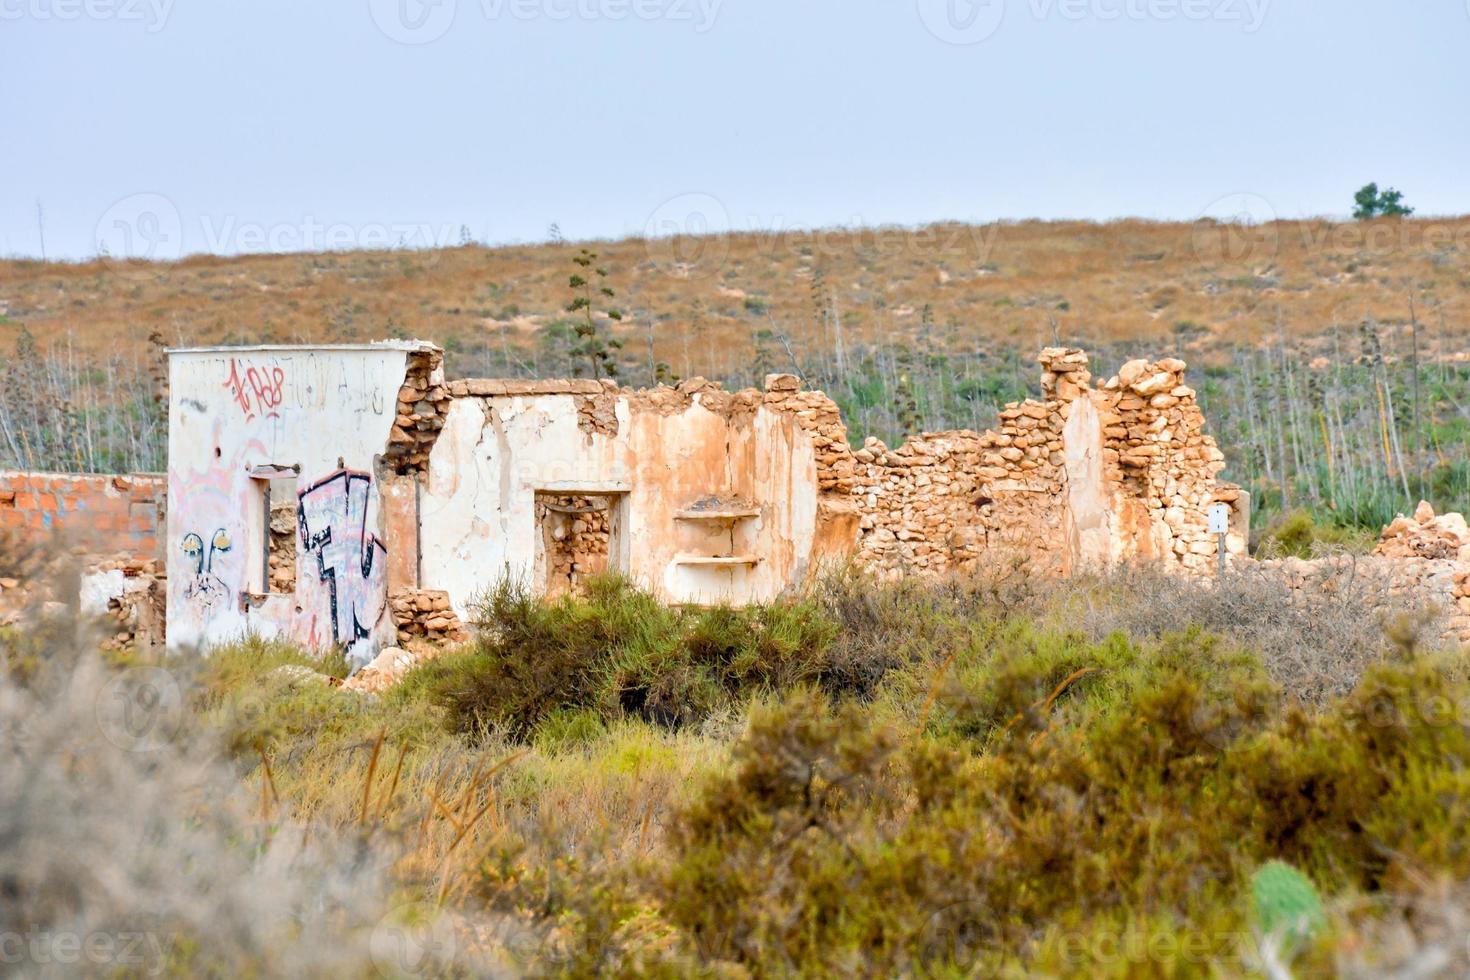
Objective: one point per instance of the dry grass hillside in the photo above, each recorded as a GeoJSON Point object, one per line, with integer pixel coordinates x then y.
{"type": "Point", "coordinates": [1191, 287]}
{"type": "Point", "coordinates": [1332, 359]}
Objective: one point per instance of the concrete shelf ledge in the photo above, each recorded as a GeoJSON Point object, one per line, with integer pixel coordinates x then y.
{"type": "Point", "coordinates": [727, 560]}
{"type": "Point", "coordinates": [718, 515]}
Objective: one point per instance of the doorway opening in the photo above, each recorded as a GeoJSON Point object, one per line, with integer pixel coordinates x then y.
{"type": "Point", "coordinates": [579, 535]}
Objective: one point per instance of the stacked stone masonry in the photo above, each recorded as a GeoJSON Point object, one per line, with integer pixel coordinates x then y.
{"type": "Point", "coordinates": [576, 534]}
{"type": "Point", "coordinates": [425, 615]}
{"type": "Point", "coordinates": [942, 500]}
{"type": "Point", "coordinates": [1438, 585]}
{"type": "Point", "coordinates": [281, 560]}
{"type": "Point", "coordinates": [422, 402]}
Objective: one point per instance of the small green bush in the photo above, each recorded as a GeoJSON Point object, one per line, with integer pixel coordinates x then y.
{"type": "Point", "coordinates": [1300, 535]}
{"type": "Point", "coordinates": [616, 651]}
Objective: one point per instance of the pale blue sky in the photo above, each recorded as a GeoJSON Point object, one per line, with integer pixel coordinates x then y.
{"type": "Point", "coordinates": [177, 126]}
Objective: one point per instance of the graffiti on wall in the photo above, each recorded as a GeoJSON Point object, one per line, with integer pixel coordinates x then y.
{"type": "Point", "coordinates": [258, 390]}
{"type": "Point", "coordinates": [204, 588]}
{"type": "Point", "coordinates": [265, 386]}
{"type": "Point", "coordinates": [350, 560]}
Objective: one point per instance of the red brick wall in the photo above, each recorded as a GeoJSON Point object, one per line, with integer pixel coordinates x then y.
{"type": "Point", "coordinates": [106, 515]}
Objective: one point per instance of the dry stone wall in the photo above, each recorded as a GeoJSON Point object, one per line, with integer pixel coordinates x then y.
{"type": "Point", "coordinates": [1135, 462]}
{"type": "Point", "coordinates": [1165, 461]}
{"type": "Point", "coordinates": [1439, 585]}
{"type": "Point", "coordinates": [818, 415]}
{"type": "Point", "coordinates": [425, 614]}
{"type": "Point", "coordinates": [422, 401]}
{"type": "Point", "coordinates": [281, 554]}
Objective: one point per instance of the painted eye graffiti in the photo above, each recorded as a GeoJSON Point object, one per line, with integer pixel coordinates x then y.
{"type": "Point", "coordinates": [193, 546]}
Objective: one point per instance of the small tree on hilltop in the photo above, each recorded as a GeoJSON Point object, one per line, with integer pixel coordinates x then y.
{"type": "Point", "coordinates": [1370, 203]}
{"type": "Point", "coordinates": [591, 343]}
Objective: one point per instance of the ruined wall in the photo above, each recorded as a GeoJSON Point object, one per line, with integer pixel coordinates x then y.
{"type": "Point", "coordinates": [703, 495]}
{"type": "Point", "coordinates": [313, 420]}
{"type": "Point", "coordinates": [1438, 584]}
{"type": "Point", "coordinates": [1081, 476]}
{"type": "Point", "coordinates": [1165, 465]}
{"type": "Point", "coordinates": [115, 516]}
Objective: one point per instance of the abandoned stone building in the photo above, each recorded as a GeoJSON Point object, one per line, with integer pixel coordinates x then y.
{"type": "Point", "coordinates": [351, 496]}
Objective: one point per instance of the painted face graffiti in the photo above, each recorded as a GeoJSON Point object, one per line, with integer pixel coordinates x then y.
{"type": "Point", "coordinates": [350, 560]}
{"type": "Point", "coordinates": [205, 588]}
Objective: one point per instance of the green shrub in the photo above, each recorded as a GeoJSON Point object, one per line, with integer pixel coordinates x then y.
{"type": "Point", "coordinates": [1300, 535]}
{"type": "Point", "coordinates": [617, 651]}
{"type": "Point", "coordinates": [830, 842]}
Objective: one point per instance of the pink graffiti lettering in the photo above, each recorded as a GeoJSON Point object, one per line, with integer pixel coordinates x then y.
{"type": "Point", "coordinates": [259, 391]}
{"type": "Point", "coordinates": [350, 560]}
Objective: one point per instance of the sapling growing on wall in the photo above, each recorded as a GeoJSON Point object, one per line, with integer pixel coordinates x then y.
{"type": "Point", "coordinates": [591, 341]}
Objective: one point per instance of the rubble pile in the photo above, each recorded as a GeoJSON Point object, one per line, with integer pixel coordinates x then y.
{"type": "Point", "coordinates": [125, 593]}
{"type": "Point", "coordinates": [425, 615]}
{"type": "Point", "coordinates": [387, 669]}
{"type": "Point", "coordinates": [1425, 535]}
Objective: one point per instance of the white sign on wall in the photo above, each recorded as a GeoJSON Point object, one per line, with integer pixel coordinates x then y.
{"type": "Point", "coordinates": [1219, 518]}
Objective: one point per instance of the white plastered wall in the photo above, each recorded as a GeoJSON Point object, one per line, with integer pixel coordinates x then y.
{"type": "Point", "coordinates": [477, 512]}
{"type": "Point", "coordinates": [235, 411]}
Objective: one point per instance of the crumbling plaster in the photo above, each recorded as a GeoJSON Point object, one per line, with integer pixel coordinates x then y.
{"type": "Point", "coordinates": [657, 461]}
